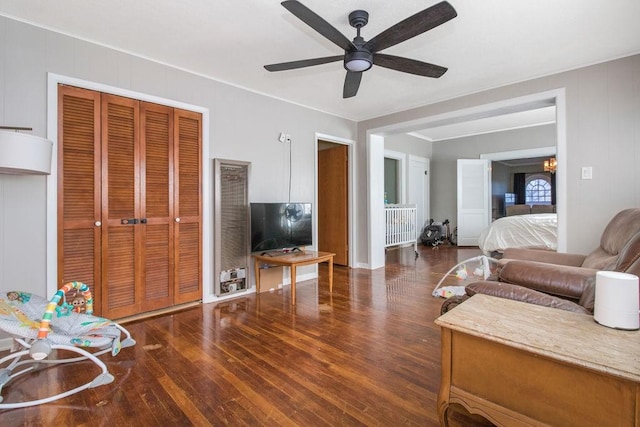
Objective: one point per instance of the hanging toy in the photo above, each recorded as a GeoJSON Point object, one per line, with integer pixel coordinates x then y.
{"type": "Point", "coordinates": [79, 304]}
{"type": "Point", "coordinates": [462, 272]}
{"type": "Point", "coordinates": [482, 271]}
{"type": "Point", "coordinates": [64, 309]}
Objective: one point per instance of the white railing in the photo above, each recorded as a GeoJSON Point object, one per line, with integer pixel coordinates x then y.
{"type": "Point", "coordinates": [401, 225]}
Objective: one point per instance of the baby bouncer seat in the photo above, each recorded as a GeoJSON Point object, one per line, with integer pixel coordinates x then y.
{"type": "Point", "coordinates": [38, 327]}
{"type": "Point", "coordinates": [466, 272]}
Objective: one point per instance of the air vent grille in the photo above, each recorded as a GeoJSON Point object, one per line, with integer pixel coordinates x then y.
{"type": "Point", "coordinates": [231, 236]}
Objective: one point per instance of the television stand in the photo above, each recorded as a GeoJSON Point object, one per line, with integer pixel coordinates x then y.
{"type": "Point", "coordinates": [293, 260]}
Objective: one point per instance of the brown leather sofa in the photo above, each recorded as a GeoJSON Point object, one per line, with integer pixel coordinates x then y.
{"type": "Point", "coordinates": [564, 281]}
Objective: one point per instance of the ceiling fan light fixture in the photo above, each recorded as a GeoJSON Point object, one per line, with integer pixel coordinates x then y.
{"type": "Point", "coordinates": [358, 61]}
{"type": "Point", "coordinates": [359, 53]}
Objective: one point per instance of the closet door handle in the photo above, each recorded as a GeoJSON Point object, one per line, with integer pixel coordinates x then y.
{"type": "Point", "coordinates": [129, 221]}
{"type": "Point", "coordinates": [143, 220]}
{"type": "Point", "coordinates": [97, 223]}
{"type": "Point", "coordinates": [178, 219]}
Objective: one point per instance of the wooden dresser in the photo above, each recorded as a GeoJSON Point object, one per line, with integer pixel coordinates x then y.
{"type": "Point", "coordinates": [522, 364]}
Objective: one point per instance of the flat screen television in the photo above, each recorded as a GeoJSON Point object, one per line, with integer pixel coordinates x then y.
{"type": "Point", "coordinates": [278, 226]}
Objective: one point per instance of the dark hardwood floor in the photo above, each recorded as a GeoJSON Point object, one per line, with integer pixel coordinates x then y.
{"type": "Point", "coordinates": [367, 355]}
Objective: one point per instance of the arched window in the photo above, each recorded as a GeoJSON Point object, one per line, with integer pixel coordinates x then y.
{"type": "Point", "coordinates": [538, 190]}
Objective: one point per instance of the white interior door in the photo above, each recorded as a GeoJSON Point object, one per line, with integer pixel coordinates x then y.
{"type": "Point", "coordinates": [418, 189]}
{"type": "Point", "coordinates": [474, 200]}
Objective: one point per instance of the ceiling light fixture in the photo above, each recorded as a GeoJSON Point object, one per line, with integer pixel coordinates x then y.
{"type": "Point", "coordinates": [358, 61]}
{"type": "Point", "coordinates": [550, 165]}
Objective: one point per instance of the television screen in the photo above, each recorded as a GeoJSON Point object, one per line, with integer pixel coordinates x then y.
{"type": "Point", "coordinates": [280, 226]}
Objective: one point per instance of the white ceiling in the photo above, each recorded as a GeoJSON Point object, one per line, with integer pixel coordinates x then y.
{"type": "Point", "coordinates": [489, 44]}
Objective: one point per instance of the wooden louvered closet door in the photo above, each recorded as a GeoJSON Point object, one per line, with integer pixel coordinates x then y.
{"type": "Point", "coordinates": [121, 235]}
{"type": "Point", "coordinates": [145, 256]}
{"type": "Point", "coordinates": [188, 202]}
{"type": "Point", "coordinates": [79, 189]}
{"type": "Point", "coordinates": [157, 206]}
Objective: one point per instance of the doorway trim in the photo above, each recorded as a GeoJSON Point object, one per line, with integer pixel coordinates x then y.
{"type": "Point", "coordinates": [375, 149]}
{"type": "Point", "coordinates": [426, 208]}
{"type": "Point", "coordinates": [52, 180]}
{"type": "Point", "coordinates": [520, 154]}
{"type": "Point", "coordinates": [515, 154]}
{"type": "Point", "coordinates": [351, 180]}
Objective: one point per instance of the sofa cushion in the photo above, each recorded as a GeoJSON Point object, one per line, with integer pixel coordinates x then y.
{"type": "Point", "coordinates": [560, 280]}
{"type": "Point", "coordinates": [520, 293]}
{"type": "Point", "coordinates": [542, 255]}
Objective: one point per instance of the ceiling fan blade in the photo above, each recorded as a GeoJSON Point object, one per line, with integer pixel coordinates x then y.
{"type": "Point", "coordinates": [313, 20]}
{"type": "Point", "coordinates": [412, 26]}
{"type": "Point", "coordinates": [302, 63]}
{"type": "Point", "coordinates": [407, 65]}
{"type": "Point", "coordinates": [351, 84]}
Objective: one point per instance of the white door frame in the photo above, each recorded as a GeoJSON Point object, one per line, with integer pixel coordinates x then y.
{"type": "Point", "coordinates": [352, 194]}
{"type": "Point", "coordinates": [426, 207]}
{"type": "Point", "coordinates": [375, 153]}
{"type": "Point", "coordinates": [519, 154]}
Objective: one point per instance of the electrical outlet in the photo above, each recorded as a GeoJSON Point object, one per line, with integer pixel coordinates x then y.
{"type": "Point", "coordinates": [282, 137]}
{"type": "Point", "coordinates": [587, 172]}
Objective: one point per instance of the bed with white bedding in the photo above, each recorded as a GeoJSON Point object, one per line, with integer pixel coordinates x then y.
{"type": "Point", "coordinates": [520, 231]}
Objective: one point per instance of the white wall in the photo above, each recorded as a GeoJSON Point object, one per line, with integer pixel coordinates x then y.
{"type": "Point", "coordinates": [602, 129]}
{"type": "Point", "coordinates": [408, 144]}
{"type": "Point", "coordinates": [244, 126]}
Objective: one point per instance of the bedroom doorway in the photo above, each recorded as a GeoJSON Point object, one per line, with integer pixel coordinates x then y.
{"type": "Point", "coordinates": [504, 164]}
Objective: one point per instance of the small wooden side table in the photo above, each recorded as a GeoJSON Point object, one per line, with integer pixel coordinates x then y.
{"type": "Point", "coordinates": [294, 260]}
{"type": "Point", "coordinates": [520, 364]}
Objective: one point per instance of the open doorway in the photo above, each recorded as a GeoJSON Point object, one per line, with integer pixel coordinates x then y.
{"type": "Point", "coordinates": [375, 147]}
{"type": "Point", "coordinates": [505, 165]}
{"type": "Point", "coordinates": [333, 199]}
{"type": "Point", "coordinates": [392, 181]}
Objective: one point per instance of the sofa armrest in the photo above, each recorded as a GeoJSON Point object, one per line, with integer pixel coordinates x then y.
{"type": "Point", "coordinates": [574, 283]}
{"type": "Point", "coordinates": [629, 257]}
{"type": "Point", "coordinates": [452, 302]}
{"type": "Point", "coordinates": [542, 255]}
{"type": "Point", "coordinates": [520, 293]}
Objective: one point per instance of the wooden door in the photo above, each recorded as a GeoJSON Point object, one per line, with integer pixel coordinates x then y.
{"type": "Point", "coordinates": [122, 260]}
{"type": "Point", "coordinates": [474, 200]}
{"type": "Point", "coordinates": [79, 242]}
{"type": "Point", "coordinates": [157, 205]}
{"type": "Point", "coordinates": [129, 201]}
{"type": "Point", "coordinates": [333, 202]}
{"type": "Point", "coordinates": [188, 206]}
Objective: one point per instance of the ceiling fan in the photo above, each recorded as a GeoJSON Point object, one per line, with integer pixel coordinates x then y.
{"type": "Point", "coordinates": [360, 55]}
